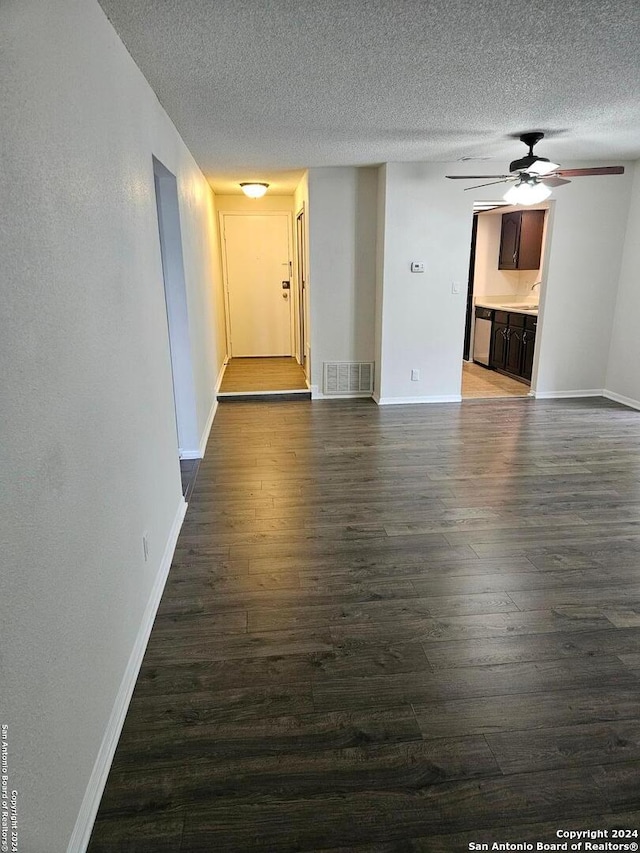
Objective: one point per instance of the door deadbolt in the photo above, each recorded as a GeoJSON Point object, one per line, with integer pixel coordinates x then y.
{"type": "Point", "coordinates": [286, 285]}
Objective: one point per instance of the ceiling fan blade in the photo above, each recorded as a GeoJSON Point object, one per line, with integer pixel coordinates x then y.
{"type": "Point", "coordinates": [490, 183]}
{"type": "Point", "coordinates": [474, 177]}
{"type": "Point", "coordinates": [597, 170]}
{"type": "Point", "coordinates": [554, 182]}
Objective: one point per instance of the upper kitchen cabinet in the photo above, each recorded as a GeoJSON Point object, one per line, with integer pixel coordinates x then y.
{"type": "Point", "coordinates": [521, 240]}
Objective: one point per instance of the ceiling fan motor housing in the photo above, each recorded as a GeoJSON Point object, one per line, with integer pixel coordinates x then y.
{"type": "Point", "coordinates": [525, 163]}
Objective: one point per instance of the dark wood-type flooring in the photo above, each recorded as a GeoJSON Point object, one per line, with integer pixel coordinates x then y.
{"type": "Point", "coordinates": [393, 629]}
{"type": "Point", "coordinates": [188, 473]}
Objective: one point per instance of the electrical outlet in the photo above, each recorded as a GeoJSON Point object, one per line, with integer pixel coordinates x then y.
{"type": "Point", "coordinates": [415, 375]}
{"type": "Point", "coordinates": [145, 546]}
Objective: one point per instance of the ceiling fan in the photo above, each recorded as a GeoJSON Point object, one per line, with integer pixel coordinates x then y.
{"type": "Point", "coordinates": [533, 176]}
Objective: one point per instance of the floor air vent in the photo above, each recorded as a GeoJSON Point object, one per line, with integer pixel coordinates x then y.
{"type": "Point", "coordinates": [348, 377]}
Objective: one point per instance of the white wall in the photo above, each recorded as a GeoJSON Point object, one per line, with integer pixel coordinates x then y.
{"type": "Point", "coordinates": [623, 374]}
{"type": "Point", "coordinates": [89, 450]}
{"type": "Point", "coordinates": [428, 218]}
{"type": "Point", "coordinates": [243, 204]}
{"type": "Point", "coordinates": [342, 269]}
{"type": "Point", "coordinates": [205, 295]}
{"type": "Point", "coordinates": [381, 221]}
{"type": "Point", "coordinates": [422, 324]}
{"type": "Point", "coordinates": [587, 224]}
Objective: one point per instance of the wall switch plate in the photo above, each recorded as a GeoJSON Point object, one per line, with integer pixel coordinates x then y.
{"type": "Point", "coordinates": [456, 287]}
{"type": "Point", "coordinates": [417, 266]}
{"type": "Point", "coordinates": [415, 375]}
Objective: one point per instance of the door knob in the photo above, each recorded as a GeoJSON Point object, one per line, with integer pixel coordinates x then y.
{"type": "Point", "coordinates": [285, 295]}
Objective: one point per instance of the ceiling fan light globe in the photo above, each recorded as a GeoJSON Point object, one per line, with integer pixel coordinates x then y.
{"type": "Point", "coordinates": [526, 193]}
{"type": "Point", "coordinates": [543, 167]}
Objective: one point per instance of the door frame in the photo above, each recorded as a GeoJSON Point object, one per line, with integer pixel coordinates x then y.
{"type": "Point", "coordinates": [549, 206]}
{"type": "Point", "coordinates": [225, 273]}
{"type": "Point", "coordinates": [301, 286]}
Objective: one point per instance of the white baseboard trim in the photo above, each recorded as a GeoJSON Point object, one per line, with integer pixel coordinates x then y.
{"type": "Point", "coordinates": [565, 395]}
{"type": "Point", "coordinates": [190, 454]}
{"type": "Point", "coordinates": [98, 779]}
{"type": "Point", "coordinates": [204, 438]}
{"type": "Point", "coordinates": [209, 423]}
{"type": "Point", "coordinates": [620, 398]}
{"type": "Point", "coordinates": [404, 401]}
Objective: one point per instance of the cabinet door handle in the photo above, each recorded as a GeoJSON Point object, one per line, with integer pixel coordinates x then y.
{"type": "Point", "coordinates": [524, 338]}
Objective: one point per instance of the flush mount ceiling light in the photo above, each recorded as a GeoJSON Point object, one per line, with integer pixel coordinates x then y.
{"type": "Point", "coordinates": [528, 190]}
{"type": "Point", "coordinates": [254, 189]}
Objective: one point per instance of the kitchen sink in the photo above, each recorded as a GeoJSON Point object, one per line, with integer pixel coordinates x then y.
{"type": "Point", "coordinates": [524, 307]}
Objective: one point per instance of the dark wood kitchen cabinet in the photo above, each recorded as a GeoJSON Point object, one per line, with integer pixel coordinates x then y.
{"type": "Point", "coordinates": [513, 338]}
{"type": "Point", "coordinates": [528, 346]}
{"type": "Point", "coordinates": [513, 362]}
{"type": "Point", "coordinates": [499, 333]}
{"type": "Point", "coordinates": [521, 240]}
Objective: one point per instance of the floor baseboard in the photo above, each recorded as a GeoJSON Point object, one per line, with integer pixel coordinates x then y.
{"type": "Point", "coordinates": [98, 779]}
{"type": "Point", "coordinates": [567, 395]}
{"type": "Point", "coordinates": [620, 398]}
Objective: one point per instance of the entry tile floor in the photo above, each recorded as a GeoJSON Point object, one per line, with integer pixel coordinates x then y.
{"type": "Point", "coordinates": [244, 375]}
{"type": "Point", "coordinates": [479, 382]}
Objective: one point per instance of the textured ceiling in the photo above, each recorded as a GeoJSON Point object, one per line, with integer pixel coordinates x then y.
{"type": "Point", "coordinates": [259, 85]}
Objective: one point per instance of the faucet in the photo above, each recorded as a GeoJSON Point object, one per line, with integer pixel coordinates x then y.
{"type": "Point", "coordinates": [537, 284]}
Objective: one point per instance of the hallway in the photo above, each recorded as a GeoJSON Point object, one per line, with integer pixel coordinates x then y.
{"type": "Point", "coordinates": [392, 629]}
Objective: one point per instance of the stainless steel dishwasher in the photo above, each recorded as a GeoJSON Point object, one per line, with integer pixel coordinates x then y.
{"type": "Point", "coordinates": [482, 336]}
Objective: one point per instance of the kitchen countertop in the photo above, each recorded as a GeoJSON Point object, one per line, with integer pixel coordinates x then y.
{"type": "Point", "coordinates": [504, 305]}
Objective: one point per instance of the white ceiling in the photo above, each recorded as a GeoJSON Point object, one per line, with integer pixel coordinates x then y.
{"type": "Point", "coordinates": [255, 86]}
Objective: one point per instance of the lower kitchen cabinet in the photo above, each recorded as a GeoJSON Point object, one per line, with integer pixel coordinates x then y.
{"type": "Point", "coordinates": [512, 344]}
{"type": "Point", "coordinates": [499, 332]}
{"type": "Point", "coordinates": [528, 346]}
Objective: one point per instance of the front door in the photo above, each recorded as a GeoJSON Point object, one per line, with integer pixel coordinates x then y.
{"type": "Point", "coordinates": [257, 254]}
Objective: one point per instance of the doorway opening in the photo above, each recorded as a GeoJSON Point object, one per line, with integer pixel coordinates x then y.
{"type": "Point", "coordinates": [175, 294]}
{"type": "Point", "coordinates": [262, 306]}
{"type": "Point", "coordinates": [506, 275]}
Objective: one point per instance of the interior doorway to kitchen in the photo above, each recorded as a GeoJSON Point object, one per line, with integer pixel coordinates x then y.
{"type": "Point", "coordinates": [505, 278]}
